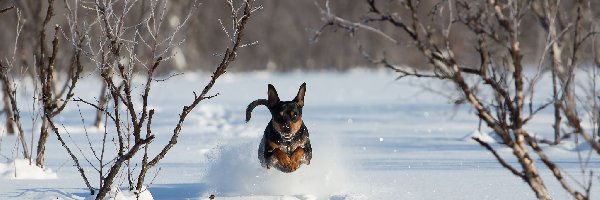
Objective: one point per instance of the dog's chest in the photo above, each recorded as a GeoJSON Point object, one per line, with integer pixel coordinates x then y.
{"type": "Point", "coordinates": [289, 146]}
{"type": "Point", "coordinates": [286, 146]}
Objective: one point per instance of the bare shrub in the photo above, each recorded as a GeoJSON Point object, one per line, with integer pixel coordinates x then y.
{"type": "Point", "coordinates": [50, 99]}
{"type": "Point", "coordinates": [495, 34]}
{"type": "Point", "coordinates": [121, 48]}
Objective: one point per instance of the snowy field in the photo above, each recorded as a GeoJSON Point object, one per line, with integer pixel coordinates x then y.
{"type": "Point", "coordinates": [373, 138]}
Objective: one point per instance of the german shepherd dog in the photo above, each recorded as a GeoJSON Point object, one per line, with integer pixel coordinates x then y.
{"type": "Point", "coordinates": [285, 144]}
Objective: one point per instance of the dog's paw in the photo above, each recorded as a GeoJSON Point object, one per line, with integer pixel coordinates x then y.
{"type": "Point", "coordinates": [294, 167]}
{"type": "Point", "coordinates": [305, 161]}
{"type": "Point", "coordinates": [297, 156]}
{"type": "Point", "coordinates": [282, 158]}
{"type": "Point", "coordinates": [271, 162]}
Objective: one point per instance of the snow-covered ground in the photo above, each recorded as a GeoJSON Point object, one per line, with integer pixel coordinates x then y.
{"type": "Point", "coordinates": [373, 138]}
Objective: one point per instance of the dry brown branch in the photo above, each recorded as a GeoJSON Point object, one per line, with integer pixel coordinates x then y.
{"type": "Point", "coordinates": [101, 105]}
{"type": "Point", "coordinates": [6, 9]}
{"type": "Point", "coordinates": [554, 168]}
{"type": "Point", "coordinates": [9, 123]}
{"type": "Point", "coordinates": [102, 110]}
{"type": "Point", "coordinates": [8, 89]}
{"type": "Point", "coordinates": [53, 102]}
{"type": "Point", "coordinates": [46, 79]}
{"type": "Point", "coordinates": [499, 158]}
{"type": "Point", "coordinates": [332, 20]}
{"type": "Point", "coordinates": [73, 157]}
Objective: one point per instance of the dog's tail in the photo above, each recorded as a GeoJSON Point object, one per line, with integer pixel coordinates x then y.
{"type": "Point", "coordinates": [253, 105]}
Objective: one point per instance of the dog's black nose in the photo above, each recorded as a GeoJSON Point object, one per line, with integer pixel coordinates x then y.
{"type": "Point", "coordinates": [286, 128]}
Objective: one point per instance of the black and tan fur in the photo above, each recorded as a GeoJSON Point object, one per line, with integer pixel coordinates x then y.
{"type": "Point", "coordinates": [285, 144]}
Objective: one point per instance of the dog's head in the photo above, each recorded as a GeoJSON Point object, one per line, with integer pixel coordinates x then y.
{"type": "Point", "coordinates": [286, 115]}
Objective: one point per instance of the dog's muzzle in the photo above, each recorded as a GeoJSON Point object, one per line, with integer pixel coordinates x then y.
{"type": "Point", "coordinates": [286, 133]}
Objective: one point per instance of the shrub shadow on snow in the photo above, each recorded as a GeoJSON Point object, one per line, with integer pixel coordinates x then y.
{"type": "Point", "coordinates": [46, 193]}
{"type": "Point", "coordinates": [178, 191]}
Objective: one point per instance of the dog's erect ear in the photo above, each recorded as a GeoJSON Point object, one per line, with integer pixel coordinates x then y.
{"type": "Point", "coordinates": [273, 97]}
{"type": "Point", "coordinates": [300, 97]}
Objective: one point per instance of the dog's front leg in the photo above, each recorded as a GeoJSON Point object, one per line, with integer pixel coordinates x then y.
{"type": "Point", "coordinates": [296, 158]}
{"type": "Point", "coordinates": [282, 158]}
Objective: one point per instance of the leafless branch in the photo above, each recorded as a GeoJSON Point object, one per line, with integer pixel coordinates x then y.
{"type": "Point", "coordinates": [73, 157]}
{"type": "Point", "coordinates": [499, 158]}
{"type": "Point", "coordinates": [8, 89]}
{"type": "Point", "coordinates": [6, 9]}
{"type": "Point", "coordinates": [555, 170]}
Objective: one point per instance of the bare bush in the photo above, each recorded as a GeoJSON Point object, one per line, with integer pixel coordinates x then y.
{"type": "Point", "coordinates": [121, 49]}
{"type": "Point", "coordinates": [50, 99]}
{"type": "Point", "coordinates": [494, 30]}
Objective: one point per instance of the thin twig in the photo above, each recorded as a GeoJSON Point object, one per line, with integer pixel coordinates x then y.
{"type": "Point", "coordinates": [499, 158]}
{"type": "Point", "coordinates": [73, 157]}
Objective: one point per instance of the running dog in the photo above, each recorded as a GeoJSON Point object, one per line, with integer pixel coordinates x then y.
{"type": "Point", "coordinates": [285, 144]}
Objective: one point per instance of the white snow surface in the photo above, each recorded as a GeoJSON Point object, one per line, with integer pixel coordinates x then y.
{"type": "Point", "coordinates": [22, 169]}
{"type": "Point", "coordinates": [373, 137]}
{"type": "Point", "coordinates": [117, 194]}
{"type": "Point", "coordinates": [483, 136]}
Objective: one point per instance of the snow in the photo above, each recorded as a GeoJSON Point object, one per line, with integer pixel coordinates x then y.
{"type": "Point", "coordinates": [373, 137]}
{"type": "Point", "coordinates": [483, 136]}
{"type": "Point", "coordinates": [21, 169]}
{"type": "Point", "coordinates": [116, 194]}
